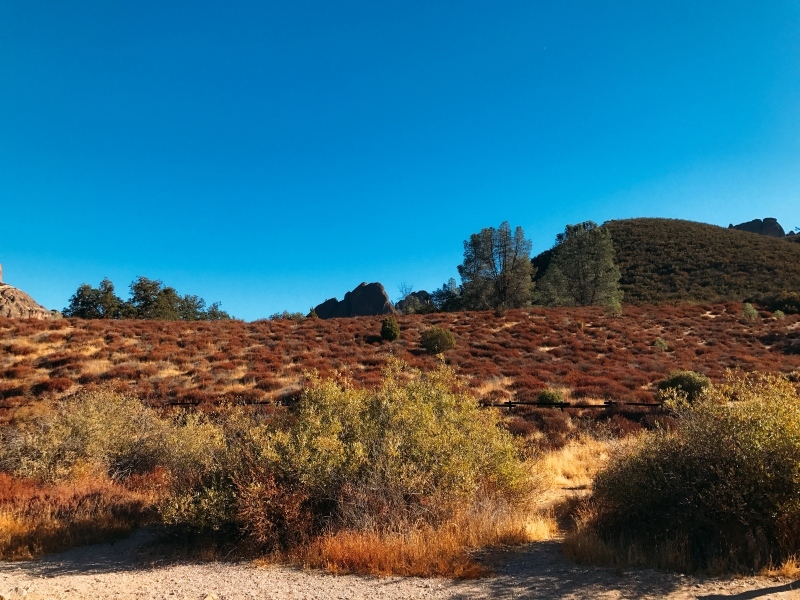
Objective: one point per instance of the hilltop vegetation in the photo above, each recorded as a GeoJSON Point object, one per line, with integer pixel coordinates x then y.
{"type": "Point", "coordinates": [150, 299]}
{"type": "Point", "coordinates": [634, 260]}
{"type": "Point", "coordinates": [666, 260]}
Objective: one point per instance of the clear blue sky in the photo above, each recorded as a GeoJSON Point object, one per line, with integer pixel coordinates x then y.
{"type": "Point", "coordinates": [270, 155]}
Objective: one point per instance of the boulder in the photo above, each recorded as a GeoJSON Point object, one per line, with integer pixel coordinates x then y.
{"type": "Point", "coordinates": [415, 302]}
{"type": "Point", "coordinates": [367, 299]}
{"type": "Point", "coordinates": [769, 227]}
{"type": "Point", "coordinates": [16, 303]}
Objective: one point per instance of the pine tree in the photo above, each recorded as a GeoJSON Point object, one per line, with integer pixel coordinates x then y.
{"type": "Point", "coordinates": [583, 270]}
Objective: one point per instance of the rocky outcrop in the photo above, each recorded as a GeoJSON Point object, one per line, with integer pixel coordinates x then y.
{"type": "Point", "coordinates": [768, 226]}
{"type": "Point", "coordinates": [16, 303]}
{"type": "Point", "coordinates": [366, 300]}
{"type": "Point", "coordinates": [415, 302]}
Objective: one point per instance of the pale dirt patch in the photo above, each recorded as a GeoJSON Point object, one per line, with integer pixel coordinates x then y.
{"type": "Point", "coordinates": [505, 326]}
{"type": "Point", "coordinates": [534, 571]}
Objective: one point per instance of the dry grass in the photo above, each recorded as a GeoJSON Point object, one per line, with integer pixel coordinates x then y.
{"type": "Point", "coordinates": [789, 569]}
{"type": "Point", "coordinates": [574, 466]}
{"type": "Point", "coordinates": [36, 519]}
{"type": "Point", "coordinates": [426, 551]}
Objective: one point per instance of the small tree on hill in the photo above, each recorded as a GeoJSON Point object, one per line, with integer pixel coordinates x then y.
{"type": "Point", "coordinates": [390, 329]}
{"type": "Point", "coordinates": [583, 270]}
{"type": "Point", "coordinates": [436, 340]}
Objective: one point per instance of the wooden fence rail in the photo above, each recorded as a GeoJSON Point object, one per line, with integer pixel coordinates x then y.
{"type": "Point", "coordinates": [607, 405]}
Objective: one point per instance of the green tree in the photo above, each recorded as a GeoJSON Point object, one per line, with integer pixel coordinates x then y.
{"type": "Point", "coordinates": [582, 270]}
{"type": "Point", "coordinates": [497, 270]}
{"type": "Point", "coordinates": [215, 313]}
{"type": "Point", "coordinates": [448, 297]}
{"type": "Point", "coordinates": [150, 299]}
{"type": "Point", "coordinates": [94, 303]}
{"type": "Point", "coordinates": [144, 296]}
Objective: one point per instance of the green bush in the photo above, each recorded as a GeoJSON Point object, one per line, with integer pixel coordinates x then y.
{"type": "Point", "coordinates": [719, 492]}
{"type": "Point", "coordinates": [353, 458]}
{"type": "Point", "coordinates": [550, 396]}
{"type": "Point", "coordinates": [688, 383]}
{"type": "Point", "coordinates": [111, 432]}
{"type": "Point", "coordinates": [749, 313]}
{"type": "Point", "coordinates": [779, 315]}
{"type": "Point", "coordinates": [390, 329]}
{"type": "Point", "coordinates": [661, 344]}
{"type": "Point", "coordinates": [436, 340]}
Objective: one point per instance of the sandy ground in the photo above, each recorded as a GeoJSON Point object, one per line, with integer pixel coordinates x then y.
{"type": "Point", "coordinates": [122, 570]}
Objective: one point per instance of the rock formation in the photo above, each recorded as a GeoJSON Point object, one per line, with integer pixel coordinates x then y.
{"type": "Point", "coordinates": [415, 302]}
{"type": "Point", "coordinates": [768, 226]}
{"type": "Point", "coordinates": [366, 300]}
{"type": "Point", "coordinates": [16, 303]}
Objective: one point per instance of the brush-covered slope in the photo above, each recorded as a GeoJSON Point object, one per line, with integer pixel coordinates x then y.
{"type": "Point", "coordinates": [585, 352]}
{"type": "Point", "coordinates": [673, 260]}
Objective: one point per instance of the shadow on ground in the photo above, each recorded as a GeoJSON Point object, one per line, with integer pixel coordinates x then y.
{"type": "Point", "coordinates": [128, 554]}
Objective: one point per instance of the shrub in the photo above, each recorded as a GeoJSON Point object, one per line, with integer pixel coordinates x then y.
{"type": "Point", "coordinates": [390, 329]}
{"type": "Point", "coordinates": [437, 339]}
{"type": "Point", "coordinates": [550, 396]}
{"type": "Point", "coordinates": [104, 431]}
{"type": "Point", "coordinates": [749, 313]}
{"type": "Point", "coordinates": [690, 383]}
{"type": "Point", "coordinates": [718, 492]}
{"type": "Point", "coordinates": [779, 315]}
{"type": "Point", "coordinates": [347, 458]}
{"type": "Point", "coordinates": [661, 344]}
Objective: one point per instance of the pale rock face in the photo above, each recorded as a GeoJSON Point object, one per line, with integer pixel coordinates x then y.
{"type": "Point", "coordinates": [16, 303]}
{"type": "Point", "coordinates": [367, 299]}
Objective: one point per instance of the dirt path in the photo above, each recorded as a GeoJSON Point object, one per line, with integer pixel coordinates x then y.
{"type": "Point", "coordinates": [536, 571]}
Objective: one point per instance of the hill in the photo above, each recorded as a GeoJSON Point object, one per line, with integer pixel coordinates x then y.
{"type": "Point", "coordinates": [585, 352]}
{"type": "Point", "coordinates": [667, 260]}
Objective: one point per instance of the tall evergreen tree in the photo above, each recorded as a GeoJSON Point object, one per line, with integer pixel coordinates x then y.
{"type": "Point", "coordinates": [583, 270]}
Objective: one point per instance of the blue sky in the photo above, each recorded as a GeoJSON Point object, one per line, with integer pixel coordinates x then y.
{"type": "Point", "coordinates": [272, 155]}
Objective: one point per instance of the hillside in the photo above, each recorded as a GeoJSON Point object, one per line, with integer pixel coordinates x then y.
{"type": "Point", "coordinates": [664, 260]}
{"type": "Point", "coordinates": [583, 351]}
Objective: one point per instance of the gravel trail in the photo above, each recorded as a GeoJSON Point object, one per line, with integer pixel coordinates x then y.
{"type": "Point", "coordinates": [536, 571]}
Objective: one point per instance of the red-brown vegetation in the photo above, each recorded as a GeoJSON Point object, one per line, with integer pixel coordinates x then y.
{"type": "Point", "coordinates": [584, 351]}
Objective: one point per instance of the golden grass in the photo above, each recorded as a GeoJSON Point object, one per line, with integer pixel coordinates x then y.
{"type": "Point", "coordinates": [495, 383]}
{"type": "Point", "coordinates": [426, 551]}
{"type": "Point", "coordinates": [167, 370]}
{"type": "Point", "coordinates": [575, 465]}
{"type": "Point", "coordinates": [789, 569]}
{"type": "Point", "coordinates": [36, 520]}
{"type": "Point", "coordinates": [96, 366]}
